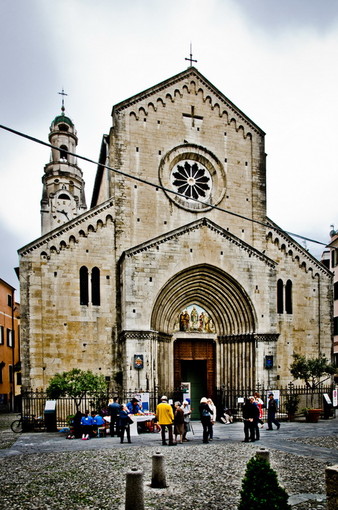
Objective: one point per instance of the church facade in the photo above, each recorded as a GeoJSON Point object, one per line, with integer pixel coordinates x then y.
{"type": "Point", "coordinates": [175, 274]}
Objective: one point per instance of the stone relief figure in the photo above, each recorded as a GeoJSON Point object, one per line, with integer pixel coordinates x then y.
{"type": "Point", "coordinates": [209, 327]}
{"type": "Point", "coordinates": [184, 321]}
{"type": "Point", "coordinates": [197, 320]}
{"type": "Point", "coordinates": [203, 321]}
{"type": "Point", "coordinates": [194, 319]}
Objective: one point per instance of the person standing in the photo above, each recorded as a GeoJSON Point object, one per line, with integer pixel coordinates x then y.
{"type": "Point", "coordinates": [213, 416]}
{"type": "Point", "coordinates": [250, 417]}
{"type": "Point", "coordinates": [260, 405]}
{"type": "Point", "coordinates": [186, 413]}
{"type": "Point", "coordinates": [165, 418]}
{"type": "Point", "coordinates": [205, 416]}
{"type": "Point", "coordinates": [178, 422]}
{"type": "Point", "coordinates": [114, 409]}
{"type": "Point", "coordinates": [272, 410]}
{"type": "Point", "coordinates": [124, 423]}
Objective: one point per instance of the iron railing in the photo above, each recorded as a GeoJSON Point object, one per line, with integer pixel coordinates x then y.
{"type": "Point", "coordinates": [34, 402]}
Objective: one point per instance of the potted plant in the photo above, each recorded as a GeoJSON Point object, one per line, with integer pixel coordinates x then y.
{"type": "Point", "coordinates": [311, 371]}
{"type": "Point", "coordinates": [291, 405]}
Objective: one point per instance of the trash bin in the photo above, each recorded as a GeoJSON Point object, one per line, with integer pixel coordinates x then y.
{"type": "Point", "coordinates": [327, 405]}
{"type": "Point", "coordinates": [50, 416]}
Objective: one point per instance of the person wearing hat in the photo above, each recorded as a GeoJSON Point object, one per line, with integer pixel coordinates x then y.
{"type": "Point", "coordinates": [186, 414]}
{"type": "Point", "coordinates": [134, 406]}
{"type": "Point", "coordinates": [165, 418]}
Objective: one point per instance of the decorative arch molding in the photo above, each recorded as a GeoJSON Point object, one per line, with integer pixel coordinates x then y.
{"type": "Point", "coordinates": [299, 255]}
{"type": "Point", "coordinates": [58, 236]}
{"type": "Point", "coordinates": [193, 84]}
{"type": "Point", "coordinates": [218, 293]}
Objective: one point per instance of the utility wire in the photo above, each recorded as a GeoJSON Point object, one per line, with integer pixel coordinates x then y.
{"type": "Point", "coordinates": [158, 186]}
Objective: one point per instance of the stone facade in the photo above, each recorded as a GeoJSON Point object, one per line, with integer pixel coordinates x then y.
{"type": "Point", "coordinates": [177, 225]}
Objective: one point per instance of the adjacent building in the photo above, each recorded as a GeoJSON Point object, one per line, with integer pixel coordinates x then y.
{"type": "Point", "coordinates": [10, 369]}
{"type": "Point", "coordinates": [330, 259]}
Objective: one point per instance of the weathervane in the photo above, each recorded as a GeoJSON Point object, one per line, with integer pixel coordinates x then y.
{"type": "Point", "coordinates": [63, 101]}
{"type": "Point", "coordinates": [191, 60]}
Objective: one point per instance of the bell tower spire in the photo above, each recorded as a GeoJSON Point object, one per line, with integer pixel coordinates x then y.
{"type": "Point", "coordinates": [63, 195]}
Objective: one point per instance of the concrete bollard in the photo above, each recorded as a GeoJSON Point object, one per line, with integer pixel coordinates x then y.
{"type": "Point", "coordinates": [331, 478]}
{"type": "Point", "coordinates": [158, 479]}
{"type": "Point", "coordinates": [264, 454]}
{"type": "Point", "coordinates": [134, 490]}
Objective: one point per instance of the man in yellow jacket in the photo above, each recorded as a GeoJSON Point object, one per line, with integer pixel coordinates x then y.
{"type": "Point", "coordinates": [165, 418]}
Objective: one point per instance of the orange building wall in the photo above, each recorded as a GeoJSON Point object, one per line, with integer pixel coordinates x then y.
{"type": "Point", "coordinates": [9, 354]}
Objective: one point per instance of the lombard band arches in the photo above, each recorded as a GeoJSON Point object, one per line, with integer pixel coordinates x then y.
{"type": "Point", "coordinates": [216, 292]}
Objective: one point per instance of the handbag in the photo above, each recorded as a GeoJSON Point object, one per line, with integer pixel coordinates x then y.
{"type": "Point", "coordinates": [129, 420]}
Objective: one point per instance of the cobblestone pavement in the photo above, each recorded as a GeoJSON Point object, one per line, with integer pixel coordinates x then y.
{"type": "Point", "coordinates": [48, 468]}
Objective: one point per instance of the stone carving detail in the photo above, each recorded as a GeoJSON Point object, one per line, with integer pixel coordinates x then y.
{"type": "Point", "coordinates": [194, 319]}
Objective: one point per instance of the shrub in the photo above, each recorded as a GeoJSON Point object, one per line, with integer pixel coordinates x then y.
{"type": "Point", "coordinates": [260, 488]}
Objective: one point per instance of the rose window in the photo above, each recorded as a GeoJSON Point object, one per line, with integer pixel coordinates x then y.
{"type": "Point", "coordinates": [192, 180]}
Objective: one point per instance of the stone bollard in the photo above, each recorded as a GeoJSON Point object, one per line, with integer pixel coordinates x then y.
{"type": "Point", "coordinates": [331, 477]}
{"type": "Point", "coordinates": [158, 480]}
{"type": "Point", "coordinates": [264, 454]}
{"type": "Point", "coordinates": [134, 490]}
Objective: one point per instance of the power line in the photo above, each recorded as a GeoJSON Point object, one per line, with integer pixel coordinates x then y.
{"type": "Point", "coordinates": [158, 186]}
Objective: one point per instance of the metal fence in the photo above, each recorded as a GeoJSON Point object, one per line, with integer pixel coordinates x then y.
{"type": "Point", "coordinates": [34, 402]}
{"type": "Point", "coordinates": [231, 398]}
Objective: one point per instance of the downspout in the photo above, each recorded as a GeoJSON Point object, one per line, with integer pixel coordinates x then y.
{"type": "Point", "coordinates": [13, 355]}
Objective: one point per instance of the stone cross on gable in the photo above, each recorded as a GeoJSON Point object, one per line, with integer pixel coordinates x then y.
{"type": "Point", "coordinates": [191, 60]}
{"type": "Point", "coordinates": [192, 116]}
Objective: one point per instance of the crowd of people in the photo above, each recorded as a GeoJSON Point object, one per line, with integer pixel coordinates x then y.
{"type": "Point", "coordinates": [253, 414]}
{"type": "Point", "coordinates": [116, 419]}
{"type": "Point", "coordinates": [173, 421]}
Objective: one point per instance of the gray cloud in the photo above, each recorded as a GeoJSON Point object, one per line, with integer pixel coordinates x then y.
{"type": "Point", "coordinates": [283, 15]}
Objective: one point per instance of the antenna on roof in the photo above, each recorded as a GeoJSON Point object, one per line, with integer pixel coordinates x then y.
{"type": "Point", "coordinates": [63, 101]}
{"type": "Point", "coordinates": [191, 60]}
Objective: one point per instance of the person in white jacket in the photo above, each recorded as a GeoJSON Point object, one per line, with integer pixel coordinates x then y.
{"type": "Point", "coordinates": [213, 416]}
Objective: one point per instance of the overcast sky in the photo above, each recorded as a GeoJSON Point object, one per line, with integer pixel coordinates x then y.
{"type": "Point", "coordinates": [276, 60]}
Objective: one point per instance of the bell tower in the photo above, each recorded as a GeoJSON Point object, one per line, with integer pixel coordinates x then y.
{"type": "Point", "coordinates": [63, 195]}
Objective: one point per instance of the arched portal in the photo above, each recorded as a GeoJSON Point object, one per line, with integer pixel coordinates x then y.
{"type": "Point", "coordinates": [215, 291]}
{"type": "Point", "coordinates": [193, 350]}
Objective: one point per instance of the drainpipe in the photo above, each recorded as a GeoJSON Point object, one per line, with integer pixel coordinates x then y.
{"type": "Point", "coordinates": [13, 355]}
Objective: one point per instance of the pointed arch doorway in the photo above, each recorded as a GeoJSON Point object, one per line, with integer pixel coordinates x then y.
{"type": "Point", "coordinates": [195, 362]}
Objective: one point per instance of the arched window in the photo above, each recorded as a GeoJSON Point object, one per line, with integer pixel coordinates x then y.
{"type": "Point", "coordinates": [96, 286]}
{"type": "Point", "coordinates": [84, 286]}
{"type": "Point", "coordinates": [63, 152]}
{"type": "Point", "coordinates": [280, 300]}
{"type": "Point", "coordinates": [288, 296]}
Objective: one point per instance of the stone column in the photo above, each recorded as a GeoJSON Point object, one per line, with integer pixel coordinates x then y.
{"type": "Point", "coordinates": [158, 479]}
{"type": "Point", "coordinates": [134, 490]}
{"type": "Point", "coordinates": [264, 454]}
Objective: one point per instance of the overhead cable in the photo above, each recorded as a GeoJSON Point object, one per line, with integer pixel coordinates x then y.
{"type": "Point", "coordinates": [159, 186]}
